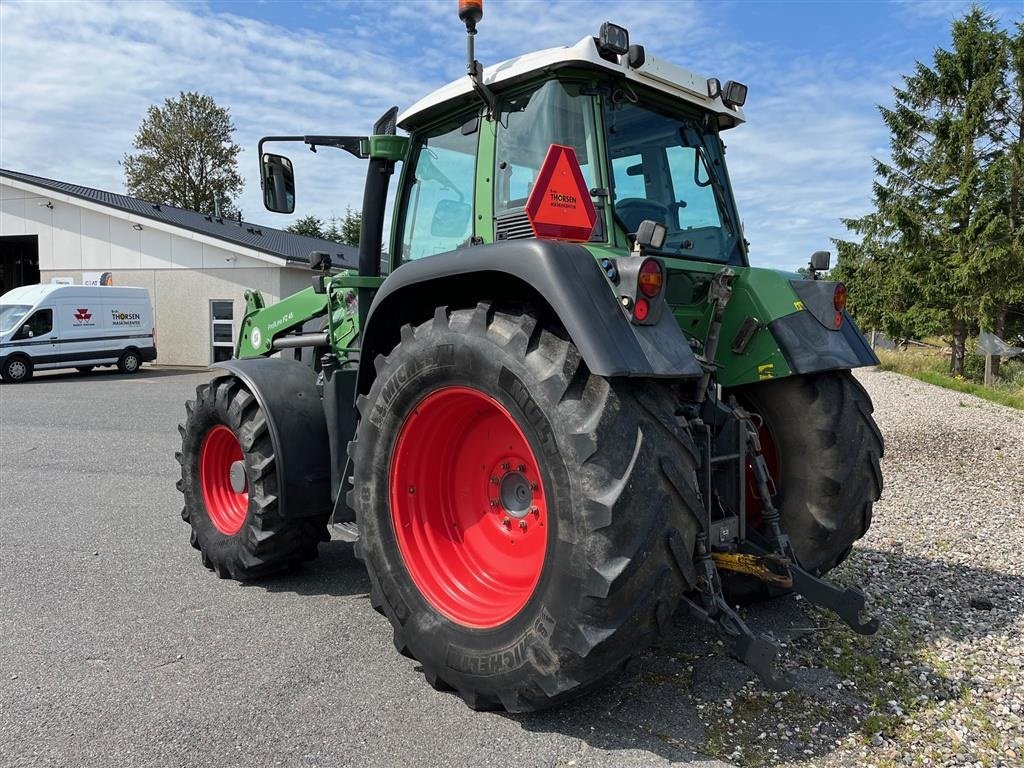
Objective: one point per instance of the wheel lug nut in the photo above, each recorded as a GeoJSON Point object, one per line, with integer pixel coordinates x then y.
{"type": "Point", "coordinates": [533, 486]}
{"type": "Point", "coordinates": [535, 511]}
{"type": "Point", "coordinates": [495, 480]}
{"type": "Point", "coordinates": [522, 525]}
{"type": "Point", "coordinates": [507, 522]}
{"type": "Point", "coordinates": [505, 466]}
{"type": "Point", "coordinates": [494, 502]}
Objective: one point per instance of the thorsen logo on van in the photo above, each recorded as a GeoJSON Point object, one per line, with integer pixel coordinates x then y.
{"type": "Point", "coordinates": [117, 317]}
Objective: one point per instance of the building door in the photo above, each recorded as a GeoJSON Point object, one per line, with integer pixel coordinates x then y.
{"type": "Point", "coordinates": [19, 261]}
{"type": "Point", "coordinates": [222, 332]}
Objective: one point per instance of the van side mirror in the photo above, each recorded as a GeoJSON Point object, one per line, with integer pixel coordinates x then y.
{"type": "Point", "coordinates": [277, 177]}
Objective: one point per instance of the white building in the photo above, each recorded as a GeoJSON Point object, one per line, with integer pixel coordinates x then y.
{"type": "Point", "coordinates": [196, 267]}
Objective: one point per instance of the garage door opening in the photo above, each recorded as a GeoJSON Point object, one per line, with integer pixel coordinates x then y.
{"type": "Point", "coordinates": [19, 261]}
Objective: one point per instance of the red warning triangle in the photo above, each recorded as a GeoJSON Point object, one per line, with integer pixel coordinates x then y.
{"type": "Point", "coordinates": [559, 207]}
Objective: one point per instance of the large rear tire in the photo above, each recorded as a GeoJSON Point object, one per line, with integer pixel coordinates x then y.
{"type": "Point", "coordinates": [230, 483]}
{"type": "Point", "coordinates": [824, 449]}
{"type": "Point", "coordinates": [527, 526]}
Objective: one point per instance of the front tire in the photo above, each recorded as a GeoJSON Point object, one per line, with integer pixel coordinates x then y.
{"type": "Point", "coordinates": [230, 483]}
{"type": "Point", "coordinates": [17, 369]}
{"type": "Point", "coordinates": [527, 526]}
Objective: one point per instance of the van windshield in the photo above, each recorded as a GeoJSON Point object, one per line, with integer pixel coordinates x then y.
{"type": "Point", "coordinates": [11, 315]}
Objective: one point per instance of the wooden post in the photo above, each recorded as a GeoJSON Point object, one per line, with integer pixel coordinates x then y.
{"type": "Point", "coordinates": [988, 369]}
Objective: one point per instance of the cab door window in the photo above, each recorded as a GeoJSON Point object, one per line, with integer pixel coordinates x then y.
{"type": "Point", "coordinates": [529, 124]}
{"type": "Point", "coordinates": [39, 324]}
{"type": "Point", "coordinates": [439, 199]}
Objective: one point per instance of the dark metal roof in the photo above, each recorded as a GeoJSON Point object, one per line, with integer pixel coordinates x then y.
{"type": "Point", "coordinates": [273, 242]}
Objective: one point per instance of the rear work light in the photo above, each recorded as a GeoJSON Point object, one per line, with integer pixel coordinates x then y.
{"type": "Point", "coordinates": [650, 278]}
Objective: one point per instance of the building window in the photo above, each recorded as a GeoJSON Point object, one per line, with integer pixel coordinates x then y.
{"type": "Point", "coordinates": [222, 332]}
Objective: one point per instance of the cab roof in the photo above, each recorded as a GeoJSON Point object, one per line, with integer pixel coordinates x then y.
{"type": "Point", "coordinates": [654, 73]}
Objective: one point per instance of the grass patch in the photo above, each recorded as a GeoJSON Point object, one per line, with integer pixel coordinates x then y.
{"type": "Point", "coordinates": [932, 368]}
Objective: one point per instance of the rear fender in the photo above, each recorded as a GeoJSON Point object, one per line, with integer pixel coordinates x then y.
{"type": "Point", "coordinates": [287, 393]}
{"type": "Point", "coordinates": [561, 278]}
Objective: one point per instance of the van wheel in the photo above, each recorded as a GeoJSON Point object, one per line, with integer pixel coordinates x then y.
{"type": "Point", "coordinates": [17, 369]}
{"type": "Point", "coordinates": [84, 369]}
{"type": "Point", "coordinates": [129, 362]}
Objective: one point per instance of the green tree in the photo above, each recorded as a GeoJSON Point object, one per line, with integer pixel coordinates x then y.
{"type": "Point", "coordinates": [310, 226]}
{"type": "Point", "coordinates": [930, 239]}
{"type": "Point", "coordinates": [351, 226]}
{"type": "Point", "coordinates": [1006, 191]}
{"type": "Point", "coordinates": [185, 156]}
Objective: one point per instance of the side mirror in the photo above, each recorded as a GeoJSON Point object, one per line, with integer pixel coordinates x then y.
{"type": "Point", "coordinates": [451, 219]}
{"type": "Point", "coordinates": [277, 177]}
{"type": "Point", "coordinates": [820, 261]}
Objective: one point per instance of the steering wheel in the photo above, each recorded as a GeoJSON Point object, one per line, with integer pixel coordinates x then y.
{"type": "Point", "coordinates": [634, 210]}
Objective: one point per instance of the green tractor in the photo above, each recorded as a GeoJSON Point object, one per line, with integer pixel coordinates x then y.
{"type": "Point", "coordinates": [569, 407]}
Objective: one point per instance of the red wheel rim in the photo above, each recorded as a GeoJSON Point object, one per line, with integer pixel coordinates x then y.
{"type": "Point", "coordinates": [468, 507]}
{"type": "Point", "coordinates": [226, 506]}
{"type": "Point", "coordinates": [770, 451]}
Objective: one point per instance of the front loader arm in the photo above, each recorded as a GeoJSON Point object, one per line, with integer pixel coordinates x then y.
{"type": "Point", "coordinates": [263, 328]}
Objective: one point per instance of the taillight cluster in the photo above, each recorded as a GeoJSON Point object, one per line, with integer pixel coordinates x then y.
{"type": "Point", "coordinates": [649, 282]}
{"type": "Point", "coordinates": [839, 302]}
{"type": "Point", "coordinates": [640, 282]}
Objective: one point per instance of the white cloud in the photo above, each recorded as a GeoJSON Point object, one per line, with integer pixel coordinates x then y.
{"type": "Point", "coordinates": [76, 78]}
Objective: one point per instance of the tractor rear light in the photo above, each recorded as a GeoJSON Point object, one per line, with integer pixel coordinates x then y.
{"type": "Point", "coordinates": [650, 278]}
{"type": "Point", "coordinates": [839, 319]}
{"type": "Point", "coordinates": [839, 297]}
{"type": "Point", "coordinates": [641, 309]}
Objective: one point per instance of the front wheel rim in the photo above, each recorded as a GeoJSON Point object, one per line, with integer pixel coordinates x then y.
{"type": "Point", "coordinates": [468, 507]}
{"type": "Point", "coordinates": [17, 370]}
{"type": "Point", "coordinates": [226, 506]}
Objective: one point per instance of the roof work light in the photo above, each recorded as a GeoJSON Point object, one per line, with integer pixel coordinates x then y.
{"type": "Point", "coordinates": [613, 39]}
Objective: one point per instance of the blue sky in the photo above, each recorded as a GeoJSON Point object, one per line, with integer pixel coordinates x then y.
{"type": "Point", "coordinates": [76, 78]}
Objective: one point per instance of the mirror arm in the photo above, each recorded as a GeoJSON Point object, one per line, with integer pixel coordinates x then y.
{"type": "Point", "coordinates": [351, 144]}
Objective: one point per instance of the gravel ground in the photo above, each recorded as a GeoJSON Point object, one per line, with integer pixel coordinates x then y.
{"type": "Point", "coordinates": [117, 648]}
{"type": "Point", "coordinates": [943, 682]}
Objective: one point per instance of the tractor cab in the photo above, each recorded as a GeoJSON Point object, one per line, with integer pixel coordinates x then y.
{"type": "Point", "coordinates": [644, 133]}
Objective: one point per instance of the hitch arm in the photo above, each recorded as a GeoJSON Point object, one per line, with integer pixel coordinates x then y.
{"type": "Point", "coordinates": [756, 651]}
{"type": "Point", "coordinates": [847, 603]}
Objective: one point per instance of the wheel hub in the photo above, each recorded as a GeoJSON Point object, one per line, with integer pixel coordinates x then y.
{"type": "Point", "coordinates": [237, 476]}
{"type": "Point", "coordinates": [515, 494]}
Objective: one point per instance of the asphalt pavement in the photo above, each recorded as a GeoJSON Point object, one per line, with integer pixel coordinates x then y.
{"type": "Point", "coordinates": [117, 648]}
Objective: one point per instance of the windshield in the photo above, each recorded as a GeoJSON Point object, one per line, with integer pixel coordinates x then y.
{"type": "Point", "coordinates": [11, 315]}
{"type": "Point", "coordinates": [670, 169]}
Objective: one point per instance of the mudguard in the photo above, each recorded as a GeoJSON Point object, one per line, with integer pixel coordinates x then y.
{"type": "Point", "coordinates": [286, 392]}
{"type": "Point", "coordinates": [564, 276]}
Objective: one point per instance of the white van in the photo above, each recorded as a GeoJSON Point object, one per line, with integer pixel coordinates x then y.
{"type": "Point", "coordinates": [74, 326]}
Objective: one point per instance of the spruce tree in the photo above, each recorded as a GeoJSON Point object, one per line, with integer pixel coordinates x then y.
{"type": "Point", "coordinates": [930, 237]}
